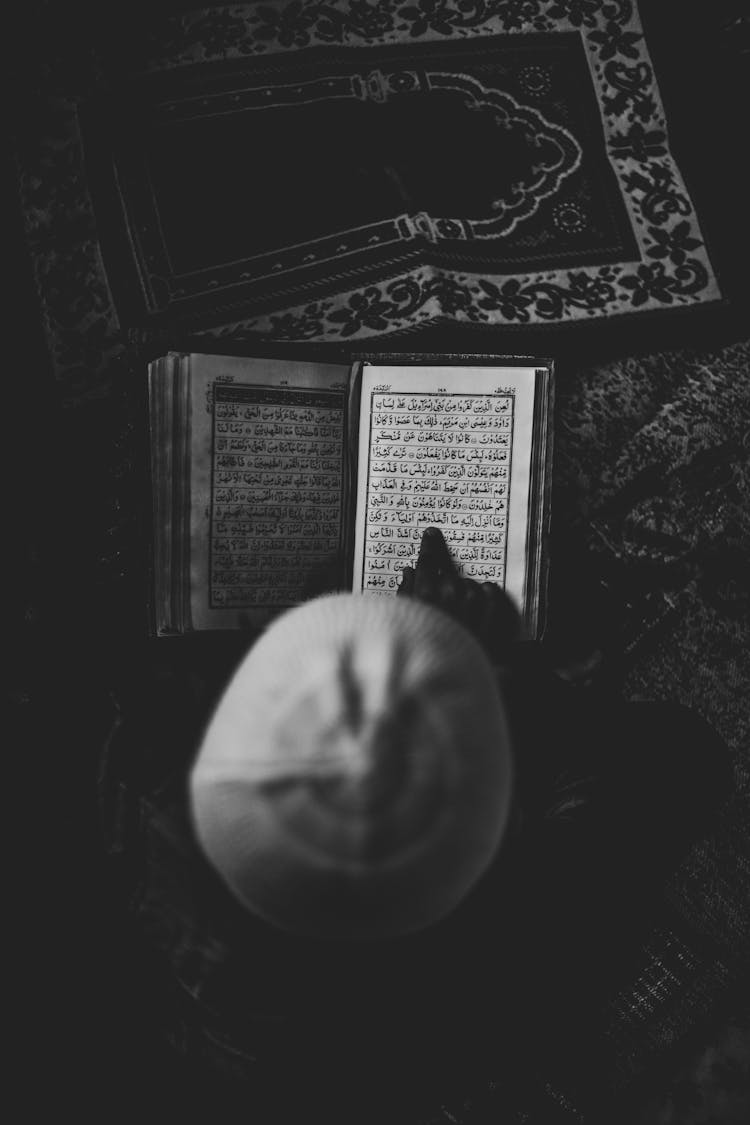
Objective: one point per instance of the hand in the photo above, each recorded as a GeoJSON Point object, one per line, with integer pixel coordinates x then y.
{"type": "Point", "coordinates": [483, 608]}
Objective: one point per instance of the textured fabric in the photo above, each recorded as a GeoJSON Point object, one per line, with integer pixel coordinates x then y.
{"type": "Point", "coordinates": [355, 780]}
{"type": "Point", "coordinates": [585, 214]}
{"type": "Point", "coordinates": [653, 455]}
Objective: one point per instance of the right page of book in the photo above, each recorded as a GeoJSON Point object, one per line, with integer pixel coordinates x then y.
{"type": "Point", "coordinates": [447, 447]}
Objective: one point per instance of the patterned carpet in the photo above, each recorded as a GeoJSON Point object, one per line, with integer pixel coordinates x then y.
{"type": "Point", "coordinates": [653, 459]}
{"type": "Point", "coordinates": [651, 533]}
{"type": "Point", "coordinates": [585, 216]}
{"type": "Point", "coordinates": [713, 1087]}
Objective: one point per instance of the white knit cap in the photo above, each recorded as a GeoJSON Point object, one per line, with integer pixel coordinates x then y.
{"type": "Point", "coordinates": [355, 780]}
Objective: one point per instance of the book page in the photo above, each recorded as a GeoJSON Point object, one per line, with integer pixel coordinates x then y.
{"type": "Point", "coordinates": [448, 447]}
{"type": "Point", "coordinates": [267, 454]}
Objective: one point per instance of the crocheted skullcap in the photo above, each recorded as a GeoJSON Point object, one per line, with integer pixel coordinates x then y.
{"type": "Point", "coordinates": [355, 780]}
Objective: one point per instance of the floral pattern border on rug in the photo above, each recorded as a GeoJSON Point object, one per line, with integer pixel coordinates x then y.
{"type": "Point", "coordinates": [674, 269]}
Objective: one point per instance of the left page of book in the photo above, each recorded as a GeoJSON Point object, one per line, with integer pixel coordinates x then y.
{"type": "Point", "coordinates": [267, 481]}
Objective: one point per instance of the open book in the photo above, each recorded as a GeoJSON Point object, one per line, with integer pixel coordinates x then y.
{"type": "Point", "coordinates": [274, 479]}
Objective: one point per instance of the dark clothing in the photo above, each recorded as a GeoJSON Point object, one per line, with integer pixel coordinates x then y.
{"type": "Point", "coordinates": [608, 796]}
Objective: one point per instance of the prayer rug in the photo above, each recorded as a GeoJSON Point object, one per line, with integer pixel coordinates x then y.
{"type": "Point", "coordinates": [343, 170]}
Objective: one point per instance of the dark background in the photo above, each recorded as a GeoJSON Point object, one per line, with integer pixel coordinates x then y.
{"type": "Point", "coordinates": [74, 617]}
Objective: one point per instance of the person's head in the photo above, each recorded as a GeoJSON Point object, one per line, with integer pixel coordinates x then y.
{"type": "Point", "coordinates": [355, 780]}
